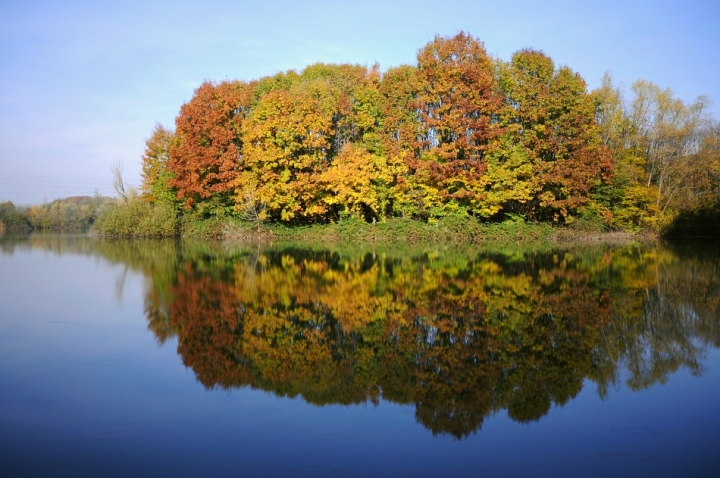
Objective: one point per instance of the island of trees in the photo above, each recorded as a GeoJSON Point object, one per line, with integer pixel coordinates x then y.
{"type": "Point", "coordinates": [460, 134]}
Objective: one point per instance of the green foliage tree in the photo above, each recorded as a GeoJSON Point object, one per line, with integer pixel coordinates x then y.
{"type": "Point", "coordinates": [155, 173]}
{"type": "Point", "coordinates": [548, 157]}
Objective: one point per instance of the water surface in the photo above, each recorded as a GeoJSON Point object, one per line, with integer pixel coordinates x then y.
{"type": "Point", "coordinates": [173, 358]}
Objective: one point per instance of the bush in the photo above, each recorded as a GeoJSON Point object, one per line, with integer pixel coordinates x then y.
{"type": "Point", "coordinates": [138, 218]}
{"type": "Point", "coordinates": [12, 218]}
{"type": "Point", "coordinates": [702, 222]}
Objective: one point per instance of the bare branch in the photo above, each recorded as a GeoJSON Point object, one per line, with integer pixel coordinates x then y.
{"type": "Point", "coordinates": [118, 183]}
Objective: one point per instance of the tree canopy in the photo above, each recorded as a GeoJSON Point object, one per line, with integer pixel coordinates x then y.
{"type": "Point", "coordinates": [458, 133]}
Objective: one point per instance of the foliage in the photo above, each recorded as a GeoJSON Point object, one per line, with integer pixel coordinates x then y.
{"type": "Point", "coordinates": [12, 218]}
{"type": "Point", "coordinates": [549, 156]}
{"type": "Point", "coordinates": [458, 134]}
{"type": "Point", "coordinates": [458, 336]}
{"type": "Point", "coordinates": [77, 212]}
{"type": "Point", "coordinates": [156, 176]}
{"type": "Point", "coordinates": [203, 158]}
{"type": "Point", "coordinates": [456, 100]}
{"type": "Point", "coordinates": [137, 218]}
{"type": "Point", "coordinates": [287, 142]}
{"type": "Point", "coordinates": [666, 156]}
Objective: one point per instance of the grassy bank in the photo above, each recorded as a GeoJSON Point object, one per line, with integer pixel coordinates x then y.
{"type": "Point", "coordinates": [399, 231]}
{"type": "Point", "coordinates": [141, 219]}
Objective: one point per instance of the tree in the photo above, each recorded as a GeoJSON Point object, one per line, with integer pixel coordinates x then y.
{"type": "Point", "coordinates": [661, 150]}
{"type": "Point", "coordinates": [457, 98]}
{"type": "Point", "coordinates": [358, 182]}
{"type": "Point", "coordinates": [549, 155]}
{"type": "Point", "coordinates": [293, 137]}
{"type": "Point", "coordinates": [287, 139]}
{"type": "Point", "coordinates": [456, 101]}
{"type": "Point", "coordinates": [118, 184]}
{"type": "Point", "coordinates": [155, 173]}
{"type": "Point", "coordinates": [628, 196]}
{"type": "Point", "coordinates": [207, 154]}
{"type": "Point", "coordinates": [669, 135]}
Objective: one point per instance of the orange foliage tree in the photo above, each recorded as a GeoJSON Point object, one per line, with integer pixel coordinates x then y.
{"type": "Point", "coordinates": [457, 133]}
{"type": "Point", "coordinates": [207, 153]}
{"type": "Point", "coordinates": [456, 102]}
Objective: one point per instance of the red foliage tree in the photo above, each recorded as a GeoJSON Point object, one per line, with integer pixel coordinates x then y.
{"type": "Point", "coordinates": [207, 154]}
{"type": "Point", "coordinates": [457, 98]}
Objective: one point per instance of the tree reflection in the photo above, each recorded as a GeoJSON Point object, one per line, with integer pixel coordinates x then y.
{"type": "Point", "coordinates": [460, 339]}
{"type": "Point", "coordinates": [458, 335]}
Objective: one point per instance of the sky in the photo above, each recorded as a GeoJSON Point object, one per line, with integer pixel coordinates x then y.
{"type": "Point", "coordinates": [83, 83]}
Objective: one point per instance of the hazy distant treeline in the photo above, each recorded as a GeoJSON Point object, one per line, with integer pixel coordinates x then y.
{"type": "Point", "coordinates": [70, 213]}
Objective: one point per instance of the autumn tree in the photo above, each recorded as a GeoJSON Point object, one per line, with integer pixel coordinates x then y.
{"type": "Point", "coordinates": [293, 136]}
{"type": "Point", "coordinates": [456, 102]}
{"type": "Point", "coordinates": [668, 133]}
{"type": "Point", "coordinates": [459, 134]}
{"type": "Point", "coordinates": [207, 153]}
{"type": "Point", "coordinates": [287, 139]}
{"type": "Point", "coordinates": [457, 98]}
{"type": "Point", "coordinates": [661, 149]}
{"type": "Point", "coordinates": [630, 198]}
{"type": "Point", "coordinates": [549, 156]}
{"type": "Point", "coordinates": [155, 174]}
{"type": "Point", "coordinates": [704, 185]}
{"type": "Point", "coordinates": [357, 102]}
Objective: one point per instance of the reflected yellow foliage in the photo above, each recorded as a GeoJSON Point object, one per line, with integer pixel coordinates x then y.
{"type": "Point", "coordinates": [457, 338]}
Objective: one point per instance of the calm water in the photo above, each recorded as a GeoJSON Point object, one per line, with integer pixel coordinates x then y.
{"type": "Point", "coordinates": [161, 358]}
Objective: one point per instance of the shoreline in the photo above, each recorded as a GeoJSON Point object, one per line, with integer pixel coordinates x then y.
{"type": "Point", "coordinates": [405, 232]}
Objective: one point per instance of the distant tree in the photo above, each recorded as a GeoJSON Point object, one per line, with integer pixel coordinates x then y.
{"type": "Point", "coordinates": [13, 218]}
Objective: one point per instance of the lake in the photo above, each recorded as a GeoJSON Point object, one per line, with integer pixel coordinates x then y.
{"type": "Point", "coordinates": [199, 358]}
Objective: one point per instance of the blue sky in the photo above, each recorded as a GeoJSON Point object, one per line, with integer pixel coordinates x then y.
{"type": "Point", "coordinates": [83, 83]}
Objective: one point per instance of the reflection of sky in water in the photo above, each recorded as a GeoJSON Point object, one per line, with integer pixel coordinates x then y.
{"type": "Point", "coordinates": [86, 391]}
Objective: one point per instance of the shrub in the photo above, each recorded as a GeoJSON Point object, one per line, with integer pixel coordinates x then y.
{"type": "Point", "coordinates": [701, 222]}
{"type": "Point", "coordinates": [12, 218]}
{"type": "Point", "coordinates": [138, 218]}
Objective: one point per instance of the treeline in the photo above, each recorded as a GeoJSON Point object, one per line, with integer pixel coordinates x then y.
{"type": "Point", "coordinates": [78, 212]}
{"type": "Point", "coordinates": [459, 133]}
